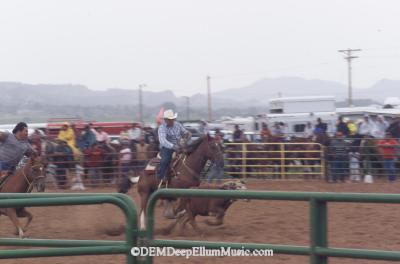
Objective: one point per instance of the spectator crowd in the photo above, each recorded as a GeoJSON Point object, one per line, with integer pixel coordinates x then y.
{"type": "Point", "coordinates": [90, 152]}
{"type": "Point", "coordinates": [355, 151]}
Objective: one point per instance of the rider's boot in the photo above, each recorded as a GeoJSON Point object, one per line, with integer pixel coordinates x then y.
{"type": "Point", "coordinates": [163, 182]}
{"type": "Point", "coordinates": [3, 176]}
{"type": "Point", "coordinates": [160, 184]}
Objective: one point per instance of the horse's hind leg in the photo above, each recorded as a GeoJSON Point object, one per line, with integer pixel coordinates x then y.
{"type": "Point", "coordinates": [182, 223]}
{"type": "Point", "coordinates": [144, 198]}
{"type": "Point", "coordinates": [219, 218]}
{"type": "Point", "coordinates": [25, 213]}
{"type": "Point", "coordinates": [12, 214]}
{"type": "Point", "coordinates": [169, 211]}
{"type": "Point", "coordinates": [167, 230]}
{"type": "Point", "coordinates": [192, 220]}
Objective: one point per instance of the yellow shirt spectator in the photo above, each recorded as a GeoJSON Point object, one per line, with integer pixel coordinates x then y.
{"type": "Point", "coordinates": [67, 134]}
{"type": "Point", "coordinates": [352, 128]}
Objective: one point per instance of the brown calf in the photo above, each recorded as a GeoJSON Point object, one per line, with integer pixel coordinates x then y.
{"type": "Point", "coordinates": [190, 207]}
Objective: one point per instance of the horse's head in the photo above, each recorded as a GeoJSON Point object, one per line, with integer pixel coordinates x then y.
{"type": "Point", "coordinates": [214, 150]}
{"type": "Point", "coordinates": [38, 172]}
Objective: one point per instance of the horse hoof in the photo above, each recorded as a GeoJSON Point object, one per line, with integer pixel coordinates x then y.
{"type": "Point", "coordinates": [21, 236]}
{"type": "Point", "coordinates": [164, 231]}
{"type": "Point", "coordinates": [168, 216]}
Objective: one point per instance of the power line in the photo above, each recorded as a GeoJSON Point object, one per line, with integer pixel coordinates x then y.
{"type": "Point", "coordinates": [349, 57]}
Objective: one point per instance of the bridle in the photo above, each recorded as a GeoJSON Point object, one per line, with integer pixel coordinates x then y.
{"type": "Point", "coordinates": [191, 171]}
{"type": "Point", "coordinates": [31, 183]}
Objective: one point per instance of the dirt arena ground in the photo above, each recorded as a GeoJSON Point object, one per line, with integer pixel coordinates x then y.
{"type": "Point", "coordinates": [369, 226]}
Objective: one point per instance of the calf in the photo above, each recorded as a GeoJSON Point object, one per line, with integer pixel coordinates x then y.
{"type": "Point", "coordinates": [189, 207]}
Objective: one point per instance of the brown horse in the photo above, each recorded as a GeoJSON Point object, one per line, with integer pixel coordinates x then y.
{"type": "Point", "coordinates": [32, 173]}
{"type": "Point", "coordinates": [185, 173]}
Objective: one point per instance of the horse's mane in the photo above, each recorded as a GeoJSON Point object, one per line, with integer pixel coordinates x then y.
{"type": "Point", "coordinates": [194, 145]}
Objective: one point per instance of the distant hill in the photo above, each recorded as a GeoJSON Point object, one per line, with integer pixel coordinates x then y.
{"type": "Point", "coordinates": [256, 94]}
{"type": "Point", "coordinates": [69, 94]}
{"type": "Point", "coordinates": [33, 102]}
{"type": "Point", "coordinates": [261, 91]}
{"type": "Point", "coordinates": [380, 91]}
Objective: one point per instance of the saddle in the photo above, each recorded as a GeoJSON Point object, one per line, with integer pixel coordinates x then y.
{"type": "Point", "coordinates": [4, 176]}
{"type": "Point", "coordinates": [154, 164]}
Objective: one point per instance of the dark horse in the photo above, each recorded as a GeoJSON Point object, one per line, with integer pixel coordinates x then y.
{"type": "Point", "coordinates": [185, 173]}
{"type": "Point", "coordinates": [32, 173]}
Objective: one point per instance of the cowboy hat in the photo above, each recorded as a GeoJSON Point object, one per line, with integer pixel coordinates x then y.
{"type": "Point", "coordinates": [169, 114]}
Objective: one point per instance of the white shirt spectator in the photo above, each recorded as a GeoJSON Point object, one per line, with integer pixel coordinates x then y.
{"type": "Point", "coordinates": [379, 128]}
{"type": "Point", "coordinates": [308, 131]}
{"type": "Point", "coordinates": [126, 155]}
{"type": "Point", "coordinates": [134, 133]}
{"type": "Point", "coordinates": [365, 127]}
{"type": "Point", "coordinates": [277, 130]}
{"type": "Point", "coordinates": [102, 136]}
{"type": "Point", "coordinates": [203, 129]}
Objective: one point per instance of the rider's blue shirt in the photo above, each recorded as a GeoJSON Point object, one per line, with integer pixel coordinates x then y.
{"type": "Point", "coordinates": [169, 136]}
{"type": "Point", "coordinates": [12, 150]}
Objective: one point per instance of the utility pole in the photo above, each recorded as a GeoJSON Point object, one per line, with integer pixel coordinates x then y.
{"type": "Point", "coordinates": [141, 86]}
{"type": "Point", "coordinates": [349, 57]}
{"type": "Point", "coordinates": [209, 98]}
{"type": "Point", "coordinates": [187, 107]}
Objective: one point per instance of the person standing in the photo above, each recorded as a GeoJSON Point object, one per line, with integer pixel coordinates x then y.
{"type": "Point", "coordinates": [320, 127]}
{"type": "Point", "coordinates": [134, 134]}
{"type": "Point", "coordinates": [238, 135]}
{"type": "Point", "coordinates": [203, 128]}
{"type": "Point", "coordinates": [125, 162]}
{"type": "Point", "coordinates": [354, 165]}
{"type": "Point", "coordinates": [67, 134]}
{"type": "Point", "coordinates": [101, 135]}
{"type": "Point", "coordinates": [365, 127]}
{"type": "Point", "coordinates": [380, 127]}
{"type": "Point", "coordinates": [339, 157]}
{"type": "Point", "coordinates": [265, 133]}
{"type": "Point", "coordinates": [308, 131]}
{"type": "Point", "coordinates": [352, 127]}
{"type": "Point", "coordinates": [342, 127]}
{"type": "Point", "coordinates": [387, 147]}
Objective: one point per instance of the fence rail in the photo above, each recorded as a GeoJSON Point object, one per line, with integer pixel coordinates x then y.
{"type": "Point", "coordinates": [286, 160]}
{"type": "Point", "coordinates": [71, 247]}
{"type": "Point", "coordinates": [318, 250]}
{"type": "Point", "coordinates": [275, 160]}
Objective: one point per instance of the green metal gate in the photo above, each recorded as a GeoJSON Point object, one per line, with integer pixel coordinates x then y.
{"type": "Point", "coordinates": [318, 249]}
{"type": "Point", "coordinates": [71, 247]}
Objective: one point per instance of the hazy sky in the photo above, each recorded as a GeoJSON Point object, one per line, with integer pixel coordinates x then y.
{"type": "Point", "coordinates": [174, 44]}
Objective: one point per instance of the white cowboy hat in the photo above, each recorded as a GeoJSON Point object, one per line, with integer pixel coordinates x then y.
{"type": "Point", "coordinates": [169, 114]}
{"type": "Point", "coordinates": [115, 141]}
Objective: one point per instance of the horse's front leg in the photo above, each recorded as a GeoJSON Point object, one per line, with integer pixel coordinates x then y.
{"type": "Point", "coordinates": [27, 214]}
{"type": "Point", "coordinates": [12, 214]}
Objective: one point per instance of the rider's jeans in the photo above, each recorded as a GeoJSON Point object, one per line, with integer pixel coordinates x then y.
{"type": "Point", "coordinates": [4, 166]}
{"type": "Point", "coordinates": [166, 157]}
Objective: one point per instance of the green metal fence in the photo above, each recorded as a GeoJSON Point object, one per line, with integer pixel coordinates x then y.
{"type": "Point", "coordinates": [318, 250]}
{"type": "Point", "coordinates": [71, 247]}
